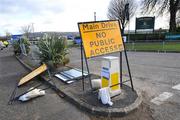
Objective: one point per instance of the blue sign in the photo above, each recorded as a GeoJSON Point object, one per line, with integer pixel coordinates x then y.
{"type": "Point", "coordinates": [77, 40]}
{"type": "Point", "coordinates": [172, 37]}
{"type": "Point", "coordinates": [16, 37]}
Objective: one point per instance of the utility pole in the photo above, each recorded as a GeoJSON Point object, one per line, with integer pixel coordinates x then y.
{"type": "Point", "coordinates": [32, 28]}
{"type": "Point", "coordinates": [94, 16]}
{"type": "Point", "coordinates": [126, 9]}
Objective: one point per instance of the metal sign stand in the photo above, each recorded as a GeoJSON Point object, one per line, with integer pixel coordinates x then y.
{"type": "Point", "coordinates": [82, 67]}
{"type": "Point", "coordinates": [129, 71]}
{"type": "Point", "coordinates": [120, 58]}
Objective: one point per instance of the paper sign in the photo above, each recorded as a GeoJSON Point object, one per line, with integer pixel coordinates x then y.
{"type": "Point", "coordinates": [105, 73]}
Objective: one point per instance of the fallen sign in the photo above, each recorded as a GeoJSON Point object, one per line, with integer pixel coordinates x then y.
{"type": "Point", "coordinates": [28, 78]}
{"type": "Point", "coordinates": [70, 76]}
{"type": "Point", "coordinates": [32, 74]}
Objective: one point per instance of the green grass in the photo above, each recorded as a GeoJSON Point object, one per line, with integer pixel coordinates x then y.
{"type": "Point", "coordinates": [167, 46]}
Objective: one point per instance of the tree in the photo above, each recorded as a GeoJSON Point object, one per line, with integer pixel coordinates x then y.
{"type": "Point", "coordinates": [26, 30]}
{"type": "Point", "coordinates": [162, 6]}
{"type": "Point", "coordinates": [8, 35]}
{"type": "Point", "coordinates": [178, 22]}
{"type": "Point", "coordinates": [121, 10]}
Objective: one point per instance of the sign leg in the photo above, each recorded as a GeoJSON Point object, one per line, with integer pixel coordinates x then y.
{"type": "Point", "coordinates": [12, 95]}
{"type": "Point", "coordinates": [88, 71]}
{"type": "Point", "coordinates": [82, 65]}
{"type": "Point", "coordinates": [121, 81]}
{"type": "Point", "coordinates": [129, 71]}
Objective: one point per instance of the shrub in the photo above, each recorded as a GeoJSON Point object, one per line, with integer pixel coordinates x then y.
{"type": "Point", "coordinates": [17, 48]}
{"type": "Point", "coordinates": [53, 50]}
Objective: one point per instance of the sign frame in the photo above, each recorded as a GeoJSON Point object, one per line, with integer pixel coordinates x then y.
{"type": "Point", "coordinates": [29, 77]}
{"type": "Point", "coordinates": [83, 57]}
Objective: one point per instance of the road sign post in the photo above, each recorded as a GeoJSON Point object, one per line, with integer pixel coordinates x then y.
{"type": "Point", "coordinates": [101, 38]}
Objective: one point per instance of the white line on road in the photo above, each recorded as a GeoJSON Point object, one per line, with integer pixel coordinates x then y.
{"type": "Point", "coordinates": [161, 98]}
{"type": "Point", "coordinates": [177, 87]}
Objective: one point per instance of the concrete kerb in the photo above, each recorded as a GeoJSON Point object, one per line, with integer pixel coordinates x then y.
{"type": "Point", "coordinates": [115, 112]}
{"type": "Point", "coordinates": [110, 112]}
{"type": "Point", "coordinates": [24, 64]}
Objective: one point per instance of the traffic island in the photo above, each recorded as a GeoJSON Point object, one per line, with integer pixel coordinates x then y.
{"type": "Point", "coordinates": [87, 100]}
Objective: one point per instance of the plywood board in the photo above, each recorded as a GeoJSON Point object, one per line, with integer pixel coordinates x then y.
{"type": "Point", "coordinates": [32, 74]}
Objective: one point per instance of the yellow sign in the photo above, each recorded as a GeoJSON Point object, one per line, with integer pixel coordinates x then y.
{"type": "Point", "coordinates": [33, 74]}
{"type": "Point", "coordinates": [101, 37]}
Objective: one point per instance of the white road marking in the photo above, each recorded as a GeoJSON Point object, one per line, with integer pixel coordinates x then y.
{"type": "Point", "coordinates": [177, 87]}
{"type": "Point", "coordinates": [161, 98]}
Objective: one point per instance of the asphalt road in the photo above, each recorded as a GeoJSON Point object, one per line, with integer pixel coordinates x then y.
{"type": "Point", "coordinates": [48, 107]}
{"type": "Point", "coordinates": [152, 73]}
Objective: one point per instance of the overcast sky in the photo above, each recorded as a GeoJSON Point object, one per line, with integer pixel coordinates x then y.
{"type": "Point", "coordinates": [54, 15]}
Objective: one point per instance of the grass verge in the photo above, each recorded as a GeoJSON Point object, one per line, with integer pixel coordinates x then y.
{"type": "Point", "coordinates": [156, 46]}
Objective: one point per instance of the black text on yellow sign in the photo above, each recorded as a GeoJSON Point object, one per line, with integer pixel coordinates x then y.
{"type": "Point", "coordinates": [101, 38]}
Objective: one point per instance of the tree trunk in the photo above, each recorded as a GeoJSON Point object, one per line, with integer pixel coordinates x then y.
{"type": "Point", "coordinates": [123, 26]}
{"type": "Point", "coordinates": [172, 23]}
{"type": "Point", "coordinates": [122, 30]}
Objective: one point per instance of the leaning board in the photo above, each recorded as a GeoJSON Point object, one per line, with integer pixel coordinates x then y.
{"type": "Point", "coordinates": [32, 74]}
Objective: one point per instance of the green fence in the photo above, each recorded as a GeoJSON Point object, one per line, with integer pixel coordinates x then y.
{"type": "Point", "coordinates": [154, 46]}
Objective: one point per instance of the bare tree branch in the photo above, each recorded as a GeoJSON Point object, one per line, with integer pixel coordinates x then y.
{"type": "Point", "coordinates": [26, 30]}
{"type": "Point", "coordinates": [162, 6]}
{"type": "Point", "coordinates": [116, 10]}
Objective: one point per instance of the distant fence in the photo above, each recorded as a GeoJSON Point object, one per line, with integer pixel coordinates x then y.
{"type": "Point", "coordinates": [172, 37]}
{"type": "Point", "coordinates": [165, 46]}
{"type": "Point", "coordinates": [154, 37]}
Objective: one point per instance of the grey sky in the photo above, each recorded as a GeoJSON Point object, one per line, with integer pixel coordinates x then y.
{"type": "Point", "coordinates": [51, 15]}
{"type": "Point", "coordinates": [31, 7]}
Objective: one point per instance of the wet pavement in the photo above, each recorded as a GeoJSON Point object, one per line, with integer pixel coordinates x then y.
{"type": "Point", "coordinates": [48, 107]}
{"type": "Point", "coordinates": [153, 74]}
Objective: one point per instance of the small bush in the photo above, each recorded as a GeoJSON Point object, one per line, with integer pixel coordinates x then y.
{"type": "Point", "coordinates": [17, 48]}
{"type": "Point", "coordinates": [53, 50]}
